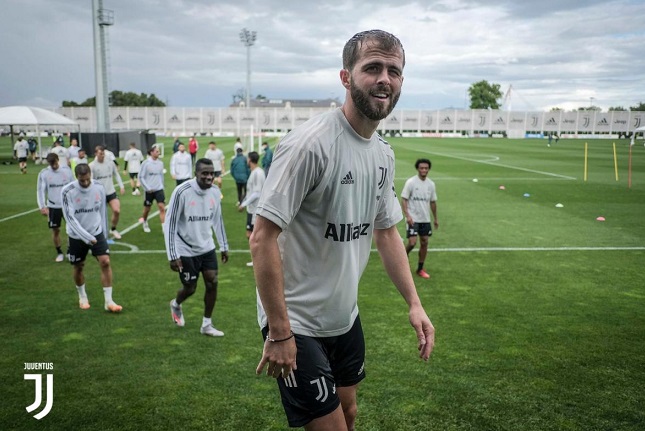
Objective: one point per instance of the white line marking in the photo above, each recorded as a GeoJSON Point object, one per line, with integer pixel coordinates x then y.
{"type": "Point", "coordinates": [137, 224]}
{"type": "Point", "coordinates": [18, 215]}
{"type": "Point", "coordinates": [551, 174]}
{"type": "Point", "coordinates": [451, 250]}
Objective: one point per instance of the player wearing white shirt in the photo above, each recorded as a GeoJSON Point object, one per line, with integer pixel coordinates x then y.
{"type": "Point", "coordinates": [254, 188]}
{"type": "Point", "coordinates": [51, 181]}
{"type": "Point", "coordinates": [331, 190]}
{"type": "Point", "coordinates": [133, 158]}
{"type": "Point", "coordinates": [61, 152]}
{"type": "Point", "coordinates": [194, 212]}
{"type": "Point", "coordinates": [181, 165]}
{"type": "Point", "coordinates": [152, 181]}
{"type": "Point", "coordinates": [418, 197]}
{"type": "Point", "coordinates": [84, 210]}
{"type": "Point", "coordinates": [21, 150]}
{"type": "Point", "coordinates": [105, 172]}
{"type": "Point", "coordinates": [217, 156]}
{"type": "Point", "coordinates": [73, 149]}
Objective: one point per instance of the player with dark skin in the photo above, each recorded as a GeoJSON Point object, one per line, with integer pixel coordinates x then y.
{"type": "Point", "coordinates": [204, 175]}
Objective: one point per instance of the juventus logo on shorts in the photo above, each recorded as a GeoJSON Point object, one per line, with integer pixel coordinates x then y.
{"type": "Point", "coordinates": [323, 393]}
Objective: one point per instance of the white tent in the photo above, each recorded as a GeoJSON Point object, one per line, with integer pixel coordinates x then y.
{"type": "Point", "coordinates": [30, 116]}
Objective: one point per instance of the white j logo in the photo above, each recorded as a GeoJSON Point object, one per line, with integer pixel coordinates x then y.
{"type": "Point", "coordinates": [39, 389]}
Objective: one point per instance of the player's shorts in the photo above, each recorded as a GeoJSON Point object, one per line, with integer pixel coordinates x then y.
{"type": "Point", "coordinates": [55, 217]}
{"type": "Point", "coordinates": [217, 174]}
{"type": "Point", "coordinates": [77, 249]}
{"type": "Point", "coordinates": [111, 197]}
{"type": "Point", "coordinates": [323, 364]}
{"type": "Point", "coordinates": [182, 181]}
{"type": "Point", "coordinates": [193, 265]}
{"type": "Point", "coordinates": [134, 175]}
{"type": "Point", "coordinates": [22, 159]}
{"type": "Point", "coordinates": [421, 229]}
{"type": "Point", "coordinates": [249, 222]}
{"type": "Point", "coordinates": [158, 196]}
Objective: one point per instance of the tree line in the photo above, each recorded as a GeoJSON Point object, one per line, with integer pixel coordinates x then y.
{"type": "Point", "coordinates": [483, 95]}
{"type": "Point", "coordinates": [121, 98]}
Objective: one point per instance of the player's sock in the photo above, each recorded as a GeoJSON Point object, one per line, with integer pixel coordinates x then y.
{"type": "Point", "coordinates": [420, 267]}
{"type": "Point", "coordinates": [58, 250]}
{"type": "Point", "coordinates": [113, 227]}
{"type": "Point", "coordinates": [107, 293]}
{"type": "Point", "coordinates": [81, 291]}
{"type": "Point", "coordinates": [206, 321]}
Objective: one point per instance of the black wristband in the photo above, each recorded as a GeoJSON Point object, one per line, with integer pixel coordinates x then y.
{"type": "Point", "coordinates": [273, 340]}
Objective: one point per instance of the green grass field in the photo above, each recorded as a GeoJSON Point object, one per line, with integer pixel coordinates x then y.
{"type": "Point", "coordinates": [538, 310]}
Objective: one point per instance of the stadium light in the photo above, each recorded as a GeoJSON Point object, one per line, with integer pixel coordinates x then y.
{"type": "Point", "coordinates": [248, 39]}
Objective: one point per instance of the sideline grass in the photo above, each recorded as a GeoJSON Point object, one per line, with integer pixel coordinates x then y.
{"type": "Point", "coordinates": [532, 333]}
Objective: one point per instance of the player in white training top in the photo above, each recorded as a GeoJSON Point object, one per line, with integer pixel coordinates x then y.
{"type": "Point", "coordinates": [217, 156]}
{"type": "Point", "coordinates": [84, 211]}
{"type": "Point", "coordinates": [418, 197]}
{"type": "Point", "coordinates": [331, 190]}
{"type": "Point", "coordinates": [133, 158]}
{"type": "Point", "coordinates": [51, 181]}
{"type": "Point", "coordinates": [105, 172]}
{"type": "Point", "coordinates": [253, 189]}
{"type": "Point", "coordinates": [194, 212]}
{"type": "Point", "coordinates": [152, 181]}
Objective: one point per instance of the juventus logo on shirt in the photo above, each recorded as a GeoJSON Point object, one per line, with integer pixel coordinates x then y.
{"type": "Point", "coordinates": [381, 182]}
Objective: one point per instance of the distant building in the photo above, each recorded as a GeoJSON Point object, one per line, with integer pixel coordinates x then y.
{"type": "Point", "coordinates": [290, 103]}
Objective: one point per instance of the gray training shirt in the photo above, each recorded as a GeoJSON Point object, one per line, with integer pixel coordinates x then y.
{"type": "Point", "coordinates": [151, 175]}
{"type": "Point", "coordinates": [328, 190]}
{"type": "Point", "coordinates": [191, 215]}
{"type": "Point", "coordinates": [84, 210]}
{"type": "Point", "coordinates": [50, 185]}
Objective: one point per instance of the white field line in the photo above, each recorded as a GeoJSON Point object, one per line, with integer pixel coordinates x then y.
{"type": "Point", "coordinates": [18, 215]}
{"type": "Point", "coordinates": [434, 250]}
{"type": "Point", "coordinates": [492, 162]}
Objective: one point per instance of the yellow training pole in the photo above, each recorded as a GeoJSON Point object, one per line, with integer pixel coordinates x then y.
{"type": "Point", "coordinates": [615, 162]}
{"type": "Point", "coordinates": [585, 170]}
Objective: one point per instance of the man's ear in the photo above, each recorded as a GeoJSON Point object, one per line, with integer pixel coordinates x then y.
{"type": "Point", "coordinates": [345, 78]}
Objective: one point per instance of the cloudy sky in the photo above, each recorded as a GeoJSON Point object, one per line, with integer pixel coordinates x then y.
{"type": "Point", "coordinates": [564, 53]}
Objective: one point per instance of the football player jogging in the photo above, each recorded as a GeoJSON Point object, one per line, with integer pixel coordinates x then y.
{"type": "Point", "coordinates": [62, 152]}
{"type": "Point", "coordinates": [151, 177]}
{"type": "Point", "coordinates": [133, 158]}
{"type": "Point", "coordinates": [105, 171]}
{"type": "Point", "coordinates": [330, 191]}
{"type": "Point", "coordinates": [194, 211]}
{"type": "Point", "coordinates": [217, 156]}
{"type": "Point", "coordinates": [418, 198]}
{"type": "Point", "coordinates": [254, 187]}
{"type": "Point", "coordinates": [84, 212]}
{"type": "Point", "coordinates": [51, 181]}
{"type": "Point", "coordinates": [20, 152]}
{"type": "Point", "coordinates": [181, 165]}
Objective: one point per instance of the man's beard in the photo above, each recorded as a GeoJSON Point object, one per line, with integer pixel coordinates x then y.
{"type": "Point", "coordinates": [362, 101]}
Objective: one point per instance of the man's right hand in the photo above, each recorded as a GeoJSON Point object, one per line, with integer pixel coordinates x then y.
{"type": "Point", "coordinates": [175, 265]}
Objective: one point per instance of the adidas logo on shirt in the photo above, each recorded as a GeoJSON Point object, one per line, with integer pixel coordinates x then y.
{"type": "Point", "coordinates": [349, 179]}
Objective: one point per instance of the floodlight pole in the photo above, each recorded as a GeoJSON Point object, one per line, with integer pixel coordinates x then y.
{"type": "Point", "coordinates": [248, 39]}
{"type": "Point", "coordinates": [102, 18]}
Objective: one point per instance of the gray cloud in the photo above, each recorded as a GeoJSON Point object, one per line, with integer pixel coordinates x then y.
{"type": "Point", "coordinates": [553, 53]}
